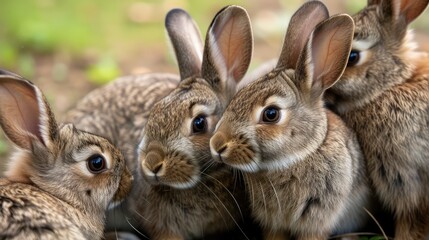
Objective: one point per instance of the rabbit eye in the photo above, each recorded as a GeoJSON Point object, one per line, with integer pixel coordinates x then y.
{"type": "Point", "coordinates": [354, 58]}
{"type": "Point", "coordinates": [199, 124]}
{"type": "Point", "coordinates": [271, 114]}
{"type": "Point", "coordinates": [96, 164]}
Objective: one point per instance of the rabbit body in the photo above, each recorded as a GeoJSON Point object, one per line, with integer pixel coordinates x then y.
{"type": "Point", "coordinates": [60, 180]}
{"type": "Point", "coordinates": [27, 212]}
{"type": "Point", "coordinates": [177, 194]}
{"type": "Point", "coordinates": [176, 171]}
{"type": "Point", "coordinates": [304, 171]}
{"type": "Point", "coordinates": [384, 97]}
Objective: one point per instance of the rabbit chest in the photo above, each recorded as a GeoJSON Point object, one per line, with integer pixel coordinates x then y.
{"type": "Point", "coordinates": [393, 131]}
{"type": "Point", "coordinates": [212, 205]}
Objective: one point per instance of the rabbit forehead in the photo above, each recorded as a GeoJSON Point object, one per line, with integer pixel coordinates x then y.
{"type": "Point", "coordinates": [80, 145]}
{"type": "Point", "coordinates": [168, 115]}
{"type": "Point", "coordinates": [367, 25]}
{"type": "Point", "coordinates": [269, 90]}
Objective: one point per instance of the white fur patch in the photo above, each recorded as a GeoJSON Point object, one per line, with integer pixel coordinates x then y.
{"type": "Point", "coordinates": [250, 167]}
{"type": "Point", "coordinates": [280, 164]}
{"type": "Point", "coordinates": [363, 45]}
{"type": "Point", "coordinates": [141, 145]}
{"type": "Point", "coordinates": [189, 184]}
{"type": "Point", "coordinates": [43, 118]}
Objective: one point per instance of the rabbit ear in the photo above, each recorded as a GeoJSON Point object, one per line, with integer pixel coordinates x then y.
{"type": "Point", "coordinates": [406, 9]}
{"type": "Point", "coordinates": [301, 24]}
{"type": "Point", "coordinates": [186, 40]}
{"type": "Point", "coordinates": [324, 58]}
{"type": "Point", "coordinates": [5, 72]}
{"type": "Point", "coordinates": [228, 49]}
{"type": "Point", "coordinates": [24, 113]}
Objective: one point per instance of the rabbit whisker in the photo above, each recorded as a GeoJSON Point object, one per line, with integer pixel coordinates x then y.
{"type": "Point", "coordinates": [275, 192]}
{"type": "Point", "coordinates": [138, 214]}
{"type": "Point", "coordinates": [208, 165]}
{"type": "Point", "coordinates": [250, 181]}
{"type": "Point", "coordinates": [135, 229]}
{"type": "Point", "coordinates": [378, 224]}
{"type": "Point", "coordinates": [263, 197]}
{"type": "Point", "coordinates": [218, 210]}
{"type": "Point", "coordinates": [232, 196]}
{"type": "Point", "coordinates": [241, 230]}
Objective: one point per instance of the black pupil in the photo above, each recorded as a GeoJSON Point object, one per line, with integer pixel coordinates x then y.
{"type": "Point", "coordinates": [353, 58]}
{"type": "Point", "coordinates": [271, 114]}
{"type": "Point", "coordinates": [96, 163]}
{"type": "Point", "coordinates": [199, 124]}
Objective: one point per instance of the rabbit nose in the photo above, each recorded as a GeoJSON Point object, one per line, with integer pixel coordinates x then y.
{"type": "Point", "coordinates": [218, 144]}
{"type": "Point", "coordinates": [154, 162]}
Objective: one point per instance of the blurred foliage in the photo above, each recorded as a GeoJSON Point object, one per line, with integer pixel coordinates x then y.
{"type": "Point", "coordinates": [45, 26]}
{"type": "Point", "coordinates": [94, 28]}
{"type": "Point", "coordinates": [103, 71]}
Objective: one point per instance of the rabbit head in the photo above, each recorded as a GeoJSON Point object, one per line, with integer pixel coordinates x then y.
{"type": "Point", "coordinates": [76, 166]}
{"type": "Point", "coordinates": [280, 118]}
{"type": "Point", "coordinates": [175, 145]}
{"type": "Point", "coordinates": [382, 52]}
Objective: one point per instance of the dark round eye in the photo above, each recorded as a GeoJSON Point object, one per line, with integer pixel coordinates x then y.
{"type": "Point", "coordinates": [96, 163]}
{"type": "Point", "coordinates": [271, 115]}
{"type": "Point", "coordinates": [199, 124]}
{"type": "Point", "coordinates": [353, 58]}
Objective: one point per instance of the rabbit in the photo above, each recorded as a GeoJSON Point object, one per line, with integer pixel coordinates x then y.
{"type": "Point", "coordinates": [383, 96]}
{"type": "Point", "coordinates": [303, 168]}
{"type": "Point", "coordinates": [186, 195]}
{"type": "Point", "coordinates": [60, 180]}
{"type": "Point", "coordinates": [119, 111]}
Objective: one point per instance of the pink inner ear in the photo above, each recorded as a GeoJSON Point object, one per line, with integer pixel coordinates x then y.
{"type": "Point", "coordinates": [19, 112]}
{"type": "Point", "coordinates": [232, 38]}
{"type": "Point", "coordinates": [412, 8]}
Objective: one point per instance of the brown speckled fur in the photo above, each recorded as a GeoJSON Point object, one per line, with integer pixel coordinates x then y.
{"type": "Point", "coordinates": [304, 174]}
{"type": "Point", "coordinates": [386, 101]}
{"type": "Point", "coordinates": [154, 107]}
{"type": "Point", "coordinates": [119, 111]}
{"type": "Point", "coordinates": [213, 203]}
{"type": "Point", "coordinates": [47, 193]}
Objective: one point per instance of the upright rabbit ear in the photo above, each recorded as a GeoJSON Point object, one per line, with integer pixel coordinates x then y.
{"type": "Point", "coordinates": [324, 58]}
{"type": "Point", "coordinates": [301, 24]}
{"type": "Point", "coordinates": [24, 113]}
{"type": "Point", "coordinates": [403, 9]}
{"type": "Point", "coordinates": [5, 72]}
{"type": "Point", "coordinates": [186, 40]}
{"type": "Point", "coordinates": [228, 49]}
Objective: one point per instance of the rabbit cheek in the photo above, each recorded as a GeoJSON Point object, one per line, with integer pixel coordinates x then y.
{"type": "Point", "coordinates": [234, 151]}
{"type": "Point", "coordinates": [123, 188]}
{"type": "Point", "coordinates": [181, 172]}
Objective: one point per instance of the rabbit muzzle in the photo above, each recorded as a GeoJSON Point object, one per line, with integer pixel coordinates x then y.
{"type": "Point", "coordinates": [153, 164]}
{"type": "Point", "coordinates": [219, 146]}
{"type": "Point", "coordinates": [123, 188]}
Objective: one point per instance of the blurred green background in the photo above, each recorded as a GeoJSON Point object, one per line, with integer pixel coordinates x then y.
{"type": "Point", "coordinates": [68, 47]}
